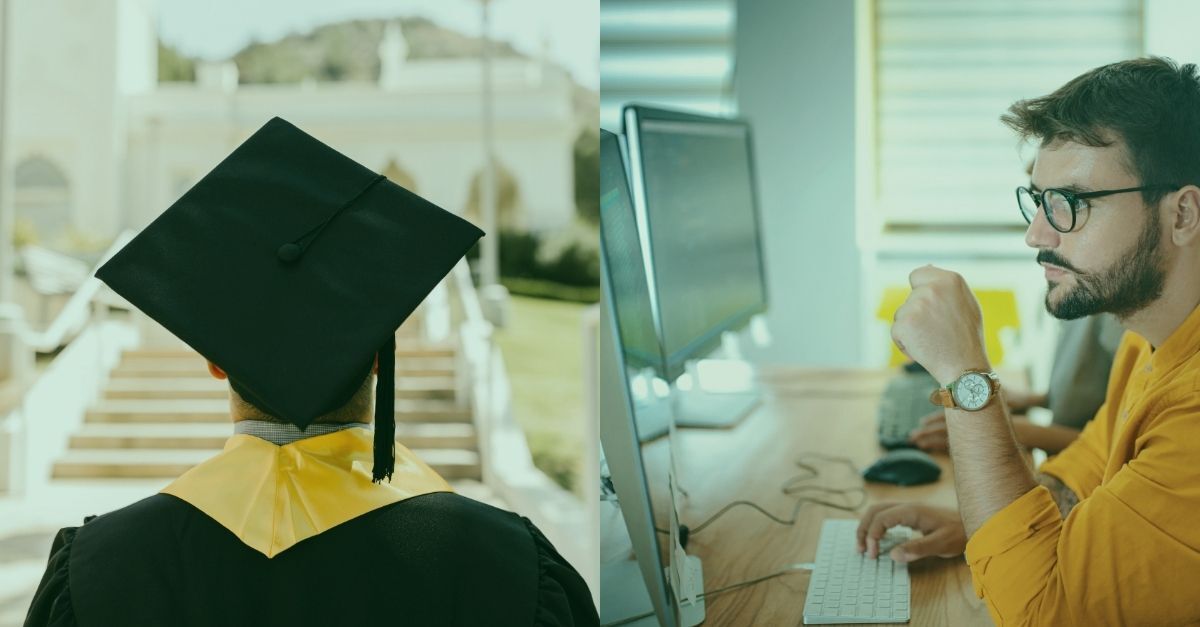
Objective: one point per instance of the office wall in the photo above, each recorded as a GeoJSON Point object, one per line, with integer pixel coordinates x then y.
{"type": "Point", "coordinates": [1168, 29]}
{"type": "Point", "coordinates": [794, 80]}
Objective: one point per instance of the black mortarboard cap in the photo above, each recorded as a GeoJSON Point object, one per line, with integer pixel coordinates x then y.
{"type": "Point", "coordinates": [291, 266]}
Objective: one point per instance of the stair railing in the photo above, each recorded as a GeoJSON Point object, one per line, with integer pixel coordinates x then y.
{"type": "Point", "coordinates": [78, 310]}
{"type": "Point", "coordinates": [506, 462]}
{"type": "Point", "coordinates": [35, 430]}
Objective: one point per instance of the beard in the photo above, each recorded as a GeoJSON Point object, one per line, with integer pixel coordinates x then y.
{"type": "Point", "coordinates": [1131, 283]}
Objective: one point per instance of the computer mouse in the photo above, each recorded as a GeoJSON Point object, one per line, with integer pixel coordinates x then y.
{"type": "Point", "coordinates": [904, 467]}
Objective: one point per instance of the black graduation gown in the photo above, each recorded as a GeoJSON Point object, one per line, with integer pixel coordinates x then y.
{"type": "Point", "coordinates": [435, 559]}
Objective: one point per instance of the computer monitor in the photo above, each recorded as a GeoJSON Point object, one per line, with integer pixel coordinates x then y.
{"type": "Point", "coordinates": [693, 185]}
{"type": "Point", "coordinates": [694, 192]}
{"type": "Point", "coordinates": [641, 469]}
{"type": "Point", "coordinates": [639, 337]}
{"type": "Point", "coordinates": [627, 272]}
{"type": "Point", "coordinates": [623, 592]}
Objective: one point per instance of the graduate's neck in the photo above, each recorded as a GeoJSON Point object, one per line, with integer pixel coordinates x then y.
{"type": "Point", "coordinates": [366, 420]}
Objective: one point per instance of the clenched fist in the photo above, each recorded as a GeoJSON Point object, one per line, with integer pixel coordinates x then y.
{"type": "Point", "coordinates": [940, 325]}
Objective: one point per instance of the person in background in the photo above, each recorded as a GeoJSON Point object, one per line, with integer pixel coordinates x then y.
{"type": "Point", "coordinates": [1078, 378]}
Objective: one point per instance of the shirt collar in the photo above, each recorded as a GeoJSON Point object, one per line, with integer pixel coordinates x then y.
{"type": "Point", "coordinates": [280, 433]}
{"type": "Point", "coordinates": [1182, 344]}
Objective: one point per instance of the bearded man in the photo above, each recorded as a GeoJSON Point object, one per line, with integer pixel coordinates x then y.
{"type": "Point", "coordinates": [1105, 533]}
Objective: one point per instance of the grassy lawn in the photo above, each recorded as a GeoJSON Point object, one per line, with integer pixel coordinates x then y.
{"type": "Point", "coordinates": [543, 351]}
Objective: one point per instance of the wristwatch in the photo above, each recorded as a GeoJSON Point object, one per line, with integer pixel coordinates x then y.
{"type": "Point", "coordinates": [971, 391]}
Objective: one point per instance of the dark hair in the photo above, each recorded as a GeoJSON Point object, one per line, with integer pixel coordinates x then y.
{"type": "Point", "coordinates": [1152, 104]}
{"type": "Point", "coordinates": [352, 410]}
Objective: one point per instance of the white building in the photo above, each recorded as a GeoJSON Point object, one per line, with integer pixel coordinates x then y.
{"type": "Point", "coordinates": [96, 145]}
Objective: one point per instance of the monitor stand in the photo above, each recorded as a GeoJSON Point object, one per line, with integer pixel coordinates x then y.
{"type": "Point", "coordinates": [760, 332]}
{"type": "Point", "coordinates": [653, 419]}
{"type": "Point", "coordinates": [651, 407]}
{"type": "Point", "coordinates": [714, 393]}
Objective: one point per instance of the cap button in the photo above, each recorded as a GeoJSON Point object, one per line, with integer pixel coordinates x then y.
{"type": "Point", "coordinates": [288, 252]}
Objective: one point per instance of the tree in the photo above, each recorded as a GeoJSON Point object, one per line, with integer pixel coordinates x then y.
{"type": "Point", "coordinates": [174, 67]}
{"type": "Point", "coordinates": [587, 174]}
{"type": "Point", "coordinates": [508, 198]}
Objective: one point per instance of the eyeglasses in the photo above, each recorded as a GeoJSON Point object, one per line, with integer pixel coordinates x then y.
{"type": "Point", "coordinates": [1062, 205]}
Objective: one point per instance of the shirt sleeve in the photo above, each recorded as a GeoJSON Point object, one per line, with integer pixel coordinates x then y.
{"type": "Point", "coordinates": [1080, 466]}
{"type": "Point", "coordinates": [1124, 555]}
{"type": "Point", "coordinates": [563, 597]}
{"type": "Point", "coordinates": [51, 605]}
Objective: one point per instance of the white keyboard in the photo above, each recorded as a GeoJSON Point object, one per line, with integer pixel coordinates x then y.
{"type": "Point", "coordinates": [849, 587]}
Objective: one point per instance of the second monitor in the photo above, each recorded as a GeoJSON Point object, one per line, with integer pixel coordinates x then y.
{"type": "Point", "coordinates": [693, 185]}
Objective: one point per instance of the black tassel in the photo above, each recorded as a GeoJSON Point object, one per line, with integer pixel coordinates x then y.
{"type": "Point", "coordinates": [385, 414]}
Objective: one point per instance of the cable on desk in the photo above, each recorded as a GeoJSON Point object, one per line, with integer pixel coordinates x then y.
{"type": "Point", "coordinates": [813, 472]}
{"type": "Point", "coordinates": [790, 487]}
{"type": "Point", "coordinates": [737, 586]}
{"type": "Point", "coordinates": [795, 509]}
{"type": "Point", "coordinates": [707, 594]}
{"type": "Point", "coordinates": [686, 532]}
{"type": "Point", "coordinates": [797, 483]}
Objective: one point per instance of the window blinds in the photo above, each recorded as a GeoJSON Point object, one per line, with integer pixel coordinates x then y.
{"type": "Point", "coordinates": [673, 53]}
{"type": "Point", "coordinates": [944, 72]}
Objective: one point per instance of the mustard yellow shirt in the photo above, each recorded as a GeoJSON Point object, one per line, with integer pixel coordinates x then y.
{"type": "Point", "coordinates": [1129, 552]}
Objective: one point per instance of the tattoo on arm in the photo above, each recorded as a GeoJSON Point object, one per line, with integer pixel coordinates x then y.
{"type": "Point", "coordinates": [1063, 496]}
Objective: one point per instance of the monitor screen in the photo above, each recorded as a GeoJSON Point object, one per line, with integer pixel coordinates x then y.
{"type": "Point", "coordinates": [694, 177]}
{"type": "Point", "coordinates": [639, 338]}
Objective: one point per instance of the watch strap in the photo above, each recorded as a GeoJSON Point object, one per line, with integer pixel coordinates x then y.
{"type": "Point", "coordinates": [943, 397]}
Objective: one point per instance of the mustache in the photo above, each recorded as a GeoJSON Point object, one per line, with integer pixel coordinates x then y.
{"type": "Point", "coordinates": [1049, 256]}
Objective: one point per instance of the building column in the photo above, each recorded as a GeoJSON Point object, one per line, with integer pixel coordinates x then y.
{"type": "Point", "coordinates": [795, 83]}
{"type": "Point", "coordinates": [16, 358]}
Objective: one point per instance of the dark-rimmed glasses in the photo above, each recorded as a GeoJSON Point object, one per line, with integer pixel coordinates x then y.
{"type": "Point", "coordinates": [1062, 205]}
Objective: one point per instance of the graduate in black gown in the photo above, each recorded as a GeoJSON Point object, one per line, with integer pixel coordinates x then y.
{"type": "Point", "coordinates": [289, 267]}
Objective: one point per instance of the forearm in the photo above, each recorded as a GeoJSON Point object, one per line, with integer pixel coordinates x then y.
{"type": "Point", "coordinates": [940, 326]}
{"type": "Point", "coordinates": [989, 470]}
{"type": "Point", "coordinates": [1021, 402]}
{"type": "Point", "coordinates": [1052, 438]}
{"type": "Point", "coordinates": [1039, 400]}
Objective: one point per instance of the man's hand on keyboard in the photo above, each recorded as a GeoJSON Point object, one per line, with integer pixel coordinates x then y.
{"type": "Point", "coordinates": [931, 435]}
{"type": "Point", "coordinates": [943, 531]}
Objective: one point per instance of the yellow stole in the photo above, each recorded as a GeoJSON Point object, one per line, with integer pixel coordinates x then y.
{"type": "Point", "coordinates": [272, 497]}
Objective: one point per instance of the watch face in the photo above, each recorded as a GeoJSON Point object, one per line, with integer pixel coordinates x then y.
{"type": "Point", "coordinates": [972, 391]}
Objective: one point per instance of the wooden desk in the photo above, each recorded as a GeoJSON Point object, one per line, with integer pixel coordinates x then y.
{"type": "Point", "coordinates": [752, 460]}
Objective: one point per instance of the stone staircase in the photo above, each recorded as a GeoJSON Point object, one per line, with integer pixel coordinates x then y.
{"type": "Point", "coordinates": [162, 413]}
